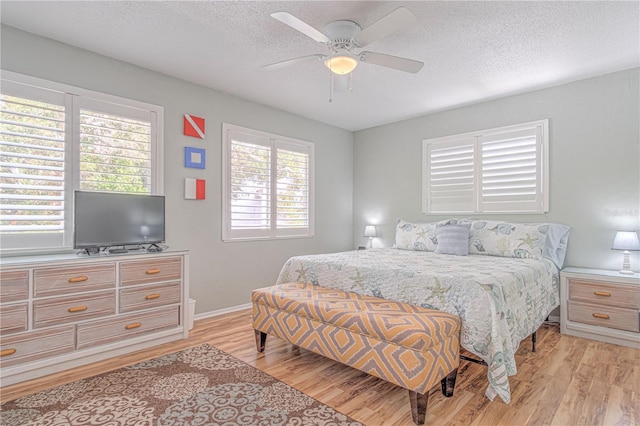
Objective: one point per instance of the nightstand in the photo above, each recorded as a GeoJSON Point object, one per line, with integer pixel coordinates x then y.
{"type": "Point", "coordinates": [600, 305]}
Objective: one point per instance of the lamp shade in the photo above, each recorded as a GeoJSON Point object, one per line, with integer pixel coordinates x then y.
{"type": "Point", "coordinates": [626, 240]}
{"type": "Point", "coordinates": [370, 231]}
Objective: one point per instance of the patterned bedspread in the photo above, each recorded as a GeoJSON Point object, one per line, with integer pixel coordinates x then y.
{"type": "Point", "coordinates": [501, 300]}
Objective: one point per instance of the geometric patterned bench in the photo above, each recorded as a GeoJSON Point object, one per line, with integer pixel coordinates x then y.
{"type": "Point", "coordinates": [407, 345]}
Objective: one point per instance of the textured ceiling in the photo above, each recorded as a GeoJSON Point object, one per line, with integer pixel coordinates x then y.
{"type": "Point", "coordinates": [473, 51]}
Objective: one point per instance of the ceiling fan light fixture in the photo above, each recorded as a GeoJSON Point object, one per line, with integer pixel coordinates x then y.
{"type": "Point", "coordinates": [341, 64]}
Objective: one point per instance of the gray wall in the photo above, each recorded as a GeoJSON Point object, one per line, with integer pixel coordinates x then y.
{"type": "Point", "coordinates": [222, 274]}
{"type": "Point", "coordinates": [594, 163]}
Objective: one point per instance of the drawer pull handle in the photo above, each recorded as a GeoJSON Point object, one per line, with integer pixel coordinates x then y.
{"type": "Point", "coordinates": [6, 352]}
{"type": "Point", "coordinates": [79, 279]}
{"type": "Point", "coordinates": [132, 325]}
{"type": "Point", "coordinates": [152, 271]}
{"type": "Point", "coordinates": [602, 293]}
{"type": "Point", "coordinates": [601, 316]}
{"type": "Point", "coordinates": [152, 296]}
{"type": "Point", "coordinates": [78, 308]}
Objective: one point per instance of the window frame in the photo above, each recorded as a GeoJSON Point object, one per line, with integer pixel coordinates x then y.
{"type": "Point", "coordinates": [275, 142]}
{"type": "Point", "coordinates": [75, 98]}
{"type": "Point", "coordinates": [477, 139]}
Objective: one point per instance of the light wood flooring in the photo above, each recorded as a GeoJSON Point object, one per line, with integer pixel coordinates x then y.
{"type": "Point", "coordinates": [568, 381]}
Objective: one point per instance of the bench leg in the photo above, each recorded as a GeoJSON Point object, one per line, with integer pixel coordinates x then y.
{"type": "Point", "coordinates": [448, 383]}
{"type": "Point", "coordinates": [261, 338]}
{"type": "Point", "coordinates": [418, 406]}
{"type": "Point", "coordinates": [534, 339]}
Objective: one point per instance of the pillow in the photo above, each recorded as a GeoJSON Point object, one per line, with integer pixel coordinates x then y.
{"type": "Point", "coordinates": [555, 246]}
{"type": "Point", "coordinates": [491, 238]}
{"type": "Point", "coordinates": [453, 239]}
{"type": "Point", "coordinates": [415, 236]}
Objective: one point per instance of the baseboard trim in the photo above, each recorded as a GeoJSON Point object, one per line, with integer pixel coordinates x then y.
{"type": "Point", "coordinates": [219, 312]}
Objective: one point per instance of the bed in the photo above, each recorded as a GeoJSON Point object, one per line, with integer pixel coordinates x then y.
{"type": "Point", "coordinates": [503, 288]}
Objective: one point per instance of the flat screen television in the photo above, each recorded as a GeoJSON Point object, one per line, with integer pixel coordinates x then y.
{"type": "Point", "coordinates": [104, 219]}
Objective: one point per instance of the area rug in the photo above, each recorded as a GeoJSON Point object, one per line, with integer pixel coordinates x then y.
{"type": "Point", "coordinates": [197, 386]}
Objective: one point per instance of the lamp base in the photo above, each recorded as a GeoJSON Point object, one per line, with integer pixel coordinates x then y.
{"type": "Point", "coordinates": [626, 263]}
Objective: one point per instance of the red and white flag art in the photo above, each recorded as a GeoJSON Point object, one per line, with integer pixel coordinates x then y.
{"type": "Point", "coordinates": [194, 189]}
{"type": "Point", "coordinates": [193, 126]}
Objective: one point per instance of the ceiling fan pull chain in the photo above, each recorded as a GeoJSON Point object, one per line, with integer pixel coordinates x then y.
{"type": "Point", "coordinates": [351, 82]}
{"type": "Point", "coordinates": [330, 86]}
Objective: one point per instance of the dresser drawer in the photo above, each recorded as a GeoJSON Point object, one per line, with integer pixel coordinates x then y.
{"type": "Point", "coordinates": [604, 316]}
{"type": "Point", "coordinates": [149, 296]}
{"type": "Point", "coordinates": [62, 310]}
{"type": "Point", "coordinates": [13, 318]}
{"type": "Point", "coordinates": [36, 345]}
{"type": "Point", "coordinates": [101, 332]}
{"type": "Point", "coordinates": [604, 293]}
{"type": "Point", "coordinates": [14, 285]}
{"type": "Point", "coordinates": [150, 271]}
{"type": "Point", "coordinates": [73, 279]}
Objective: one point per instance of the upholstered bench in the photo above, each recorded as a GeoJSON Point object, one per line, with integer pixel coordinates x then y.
{"type": "Point", "coordinates": [406, 345]}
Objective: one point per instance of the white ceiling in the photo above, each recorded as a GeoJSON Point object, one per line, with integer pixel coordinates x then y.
{"type": "Point", "coordinates": [473, 51]}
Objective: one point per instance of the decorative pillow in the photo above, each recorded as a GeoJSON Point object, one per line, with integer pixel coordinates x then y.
{"type": "Point", "coordinates": [453, 239]}
{"type": "Point", "coordinates": [491, 238]}
{"type": "Point", "coordinates": [527, 240]}
{"type": "Point", "coordinates": [415, 236]}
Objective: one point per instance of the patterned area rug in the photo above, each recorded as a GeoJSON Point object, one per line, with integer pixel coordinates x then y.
{"type": "Point", "coordinates": [198, 386]}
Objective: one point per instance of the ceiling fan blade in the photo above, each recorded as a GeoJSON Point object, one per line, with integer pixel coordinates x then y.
{"type": "Point", "coordinates": [394, 21]}
{"type": "Point", "coordinates": [395, 62]}
{"type": "Point", "coordinates": [303, 27]}
{"type": "Point", "coordinates": [288, 62]}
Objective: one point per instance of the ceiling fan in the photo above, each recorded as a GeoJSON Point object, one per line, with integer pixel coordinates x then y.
{"type": "Point", "coordinates": [344, 38]}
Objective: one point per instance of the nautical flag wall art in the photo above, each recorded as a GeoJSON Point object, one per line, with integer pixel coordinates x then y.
{"type": "Point", "coordinates": [193, 126]}
{"type": "Point", "coordinates": [194, 189]}
{"type": "Point", "coordinates": [194, 157]}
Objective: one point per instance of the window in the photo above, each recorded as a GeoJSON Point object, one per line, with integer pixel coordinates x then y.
{"type": "Point", "coordinates": [55, 139]}
{"type": "Point", "coordinates": [503, 170]}
{"type": "Point", "coordinates": [268, 185]}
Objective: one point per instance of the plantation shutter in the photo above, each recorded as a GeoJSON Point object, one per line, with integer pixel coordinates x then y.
{"type": "Point", "coordinates": [116, 148]}
{"type": "Point", "coordinates": [503, 170]}
{"type": "Point", "coordinates": [511, 171]}
{"type": "Point", "coordinates": [292, 190]}
{"type": "Point", "coordinates": [250, 185]}
{"type": "Point", "coordinates": [267, 185]}
{"type": "Point", "coordinates": [55, 139]}
{"type": "Point", "coordinates": [32, 165]}
{"type": "Point", "coordinates": [450, 177]}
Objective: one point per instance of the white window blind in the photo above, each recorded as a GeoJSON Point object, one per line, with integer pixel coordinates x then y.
{"type": "Point", "coordinates": [53, 142]}
{"type": "Point", "coordinates": [268, 185]}
{"type": "Point", "coordinates": [500, 170]}
{"type": "Point", "coordinates": [115, 151]}
{"type": "Point", "coordinates": [32, 165]}
{"type": "Point", "coordinates": [451, 176]}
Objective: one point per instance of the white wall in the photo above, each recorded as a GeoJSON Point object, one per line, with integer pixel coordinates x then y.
{"type": "Point", "coordinates": [222, 274]}
{"type": "Point", "coordinates": [594, 163]}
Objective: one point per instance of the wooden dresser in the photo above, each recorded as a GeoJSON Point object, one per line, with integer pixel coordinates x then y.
{"type": "Point", "coordinates": [600, 305]}
{"type": "Point", "coordinates": [59, 312]}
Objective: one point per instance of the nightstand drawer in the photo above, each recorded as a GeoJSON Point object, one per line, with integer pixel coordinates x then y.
{"type": "Point", "coordinates": [101, 332]}
{"type": "Point", "coordinates": [73, 279]}
{"type": "Point", "coordinates": [14, 285]}
{"type": "Point", "coordinates": [604, 293]}
{"type": "Point", "coordinates": [150, 271]}
{"type": "Point", "coordinates": [13, 318]}
{"type": "Point", "coordinates": [136, 298]}
{"type": "Point", "coordinates": [62, 310]}
{"type": "Point", "coordinates": [36, 345]}
{"type": "Point", "coordinates": [604, 316]}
